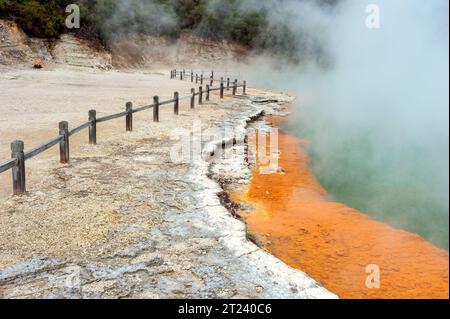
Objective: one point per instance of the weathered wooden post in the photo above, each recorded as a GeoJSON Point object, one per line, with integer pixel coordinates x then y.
{"type": "Point", "coordinates": [207, 92]}
{"type": "Point", "coordinates": [192, 98]}
{"type": "Point", "coordinates": [18, 171]}
{"type": "Point", "coordinates": [156, 109]}
{"type": "Point", "coordinates": [200, 95]}
{"type": "Point", "coordinates": [228, 84]}
{"type": "Point", "coordinates": [211, 82]}
{"type": "Point", "coordinates": [244, 87]}
{"type": "Point", "coordinates": [201, 79]}
{"type": "Point", "coordinates": [235, 87]}
{"type": "Point", "coordinates": [64, 156]}
{"type": "Point", "coordinates": [175, 73]}
{"type": "Point", "coordinates": [196, 78]}
{"type": "Point", "coordinates": [176, 106]}
{"type": "Point", "coordinates": [221, 89]}
{"type": "Point", "coordinates": [192, 76]}
{"type": "Point", "coordinates": [129, 117]}
{"type": "Point", "coordinates": [93, 127]}
{"type": "Point", "coordinates": [181, 76]}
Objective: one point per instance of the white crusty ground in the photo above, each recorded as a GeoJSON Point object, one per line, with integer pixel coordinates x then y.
{"type": "Point", "coordinates": [122, 221]}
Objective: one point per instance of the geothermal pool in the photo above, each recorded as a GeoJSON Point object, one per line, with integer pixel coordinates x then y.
{"type": "Point", "coordinates": [298, 221]}
{"type": "Point", "coordinates": [403, 183]}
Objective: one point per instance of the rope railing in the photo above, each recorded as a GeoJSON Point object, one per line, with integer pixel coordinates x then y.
{"type": "Point", "coordinates": [8, 165]}
{"type": "Point", "coordinates": [18, 155]}
{"type": "Point", "coordinates": [42, 148]}
{"type": "Point", "coordinates": [79, 128]}
{"type": "Point", "coordinates": [143, 108]}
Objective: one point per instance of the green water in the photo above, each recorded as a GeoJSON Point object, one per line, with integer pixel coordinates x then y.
{"type": "Point", "coordinates": [404, 185]}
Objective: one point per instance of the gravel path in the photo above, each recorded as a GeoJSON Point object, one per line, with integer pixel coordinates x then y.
{"type": "Point", "coordinates": [123, 221]}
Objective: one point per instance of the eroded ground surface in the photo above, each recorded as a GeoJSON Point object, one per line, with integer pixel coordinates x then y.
{"type": "Point", "coordinates": [123, 221]}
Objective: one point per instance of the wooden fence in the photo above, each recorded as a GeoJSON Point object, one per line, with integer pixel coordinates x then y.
{"type": "Point", "coordinates": [200, 78]}
{"type": "Point", "coordinates": [18, 155]}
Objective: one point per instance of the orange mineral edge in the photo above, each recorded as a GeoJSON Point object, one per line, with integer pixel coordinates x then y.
{"type": "Point", "coordinates": [349, 253]}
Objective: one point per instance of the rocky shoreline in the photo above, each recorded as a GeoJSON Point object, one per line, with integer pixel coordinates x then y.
{"type": "Point", "coordinates": [121, 221]}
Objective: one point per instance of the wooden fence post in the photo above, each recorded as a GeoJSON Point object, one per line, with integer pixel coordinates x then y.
{"type": "Point", "coordinates": [207, 92]}
{"type": "Point", "coordinates": [176, 106]}
{"type": "Point", "coordinates": [228, 84]}
{"type": "Point", "coordinates": [93, 127]}
{"type": "Point", "coordinates": [192, 76]}
{"type": "Point", "coordinates": [200, 95]}
{"type": "Point", "coordinates": [196, 78]}
{"type": "Point", "coordinates": [201, 79]}
{"type": "Point", "coordinates": [129, 117]}
{"type": "Point", "coordinates": [181, 75]}
{"type": "Point", "coordinates": [156, 109]}
{"type": "Point", "coordinates": [221, 89]}
{"type": "Point", "coordinates": [211, 83]}
{"type": "Point", "coordinates": [192, 98]}
{"type": "Point", "coordinates": [244, 87]}
{"type": "Point", "coordinates": [64, 156]}
{"type": "Point", "coordinates": [18, 171]}
{"type": "Point", "coordinates": [235, 87]}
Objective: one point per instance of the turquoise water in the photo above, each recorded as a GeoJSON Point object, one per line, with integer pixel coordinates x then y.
{"type": "Point", "coordinates": [404, 185]}
{"type": "Point", "coordinates": [374, 106]}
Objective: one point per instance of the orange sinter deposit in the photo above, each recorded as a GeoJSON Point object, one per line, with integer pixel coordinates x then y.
{"type": "Point", "coordinates": [295, 220]}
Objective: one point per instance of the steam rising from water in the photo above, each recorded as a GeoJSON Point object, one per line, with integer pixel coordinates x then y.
{"type": "Point", "coordinates": [376, 113]}
{"type": "Point", "coordinates": [373, 102]}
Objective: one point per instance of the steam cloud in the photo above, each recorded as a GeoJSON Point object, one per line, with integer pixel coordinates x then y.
{"type": "Point", "coordinates": [372, 102]}
{"type": "Point", "coordinates": [130, 17]}
{"type": "Point", "coordinates": [377, 113]}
